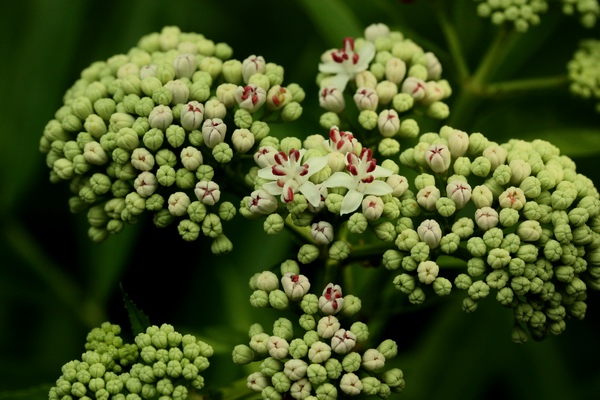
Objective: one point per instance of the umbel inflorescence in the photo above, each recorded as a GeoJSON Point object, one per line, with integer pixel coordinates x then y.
{"type": "Point", "coordinates": [155, 130]}
{"type": "Point", "coordinates": [328, 359]}
{"type": "Point", "coordinates": [162, 363]}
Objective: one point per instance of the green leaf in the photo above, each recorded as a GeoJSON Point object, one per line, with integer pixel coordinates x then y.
{"type": "Point", "coordinates": [139, 321]}
{"type": "Point", "coordinates": [334, 20]}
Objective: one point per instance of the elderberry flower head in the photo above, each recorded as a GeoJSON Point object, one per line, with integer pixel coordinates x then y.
{"type": "Point", "coordinates": [583, 71]}
{"type": "Point", "coordinates": [161, 362]}
{"type": "Point", "coordinates": [388, 77]}
{"type": "Point", "coordinates": [518, 213]}
{"type": "Point", "coordinates": [151, 131]}
{"type": "Point", "coordinates": [520, 14]}
{"type": "Point", "coordinates": [331, 358]}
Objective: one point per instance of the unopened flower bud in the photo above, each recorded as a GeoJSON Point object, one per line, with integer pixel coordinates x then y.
{"type": "Point", "coordinates": [261, 202]}
{"type": "Point", "coordinates": [192, 114]}
{"type": "Point", "coordinates": [291, 112]}
{"type": "Point", "coordinates": [427, 271]}
{"type": "Point", "coordinates": [322, 232]}
{"type": "Point", "coordinates": [242, 139]}
{"type": "Point", "coordinates": [428, 196]}
{"type": "Point", "coordinates": [388, 123]}
{"type": "Point", "coordinates": [486, 218]}
{"type": "Point", "coordinates": [372, 360]}
{"type": "Point", "coordinates": [459, 192]}
{"type": "Point", "coordinates": [295, 286]}
{"type": "Point", "coordinates": [343, 341]}
{"type": "Point", "coordinates": [366, 99]}
{"type": "Point", "coordinates": [208, 192]}
{"type": "Point", "coordinates": [414, 87]}
{"type": "Point", "coordinates": [250, 97]}
{"type": "Point", "coordinates": [332, 99]}
{"type": "Point", "coordinates": [331, 301]}
{"type": "Point", "coordinates": [160, 117]}
{"type": "Point", "coordinates": [429, 231]}
{"type": "Point", "coordinates": [253, 65]}
{"type": "Point", "coordinates": [438, 158]}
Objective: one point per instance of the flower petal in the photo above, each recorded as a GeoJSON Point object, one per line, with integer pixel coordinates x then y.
{"type": "Point", "coordinates": [311, 192]}
{"type": "Point", "coordinates": [331, 68]}
{"type": "Point", "coordinates": [378, 188]}
{"type": "Point", "coordinates": [380, 172]}
{"type": "Point", "coordinates": [351, 201]}
{"type": "Point", "coordinates": [267, 173]}
{"type": "Point", "coordinates": [315, 164]}
{"type": "Point", "coordinates": [272, 188]}
{"type": "Point", "coordinates": [339, 179]}
{"type": "Point", "coordinates": [365, 55]}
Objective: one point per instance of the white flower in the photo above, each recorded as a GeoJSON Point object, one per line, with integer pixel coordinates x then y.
{"type": "Point", "coordinates": [289, 176]}
{"type": "Point", "coordinates": [341, 141]}
{"type": "Point", "coordinates": [345, 63]}
{"type": "Point", "coordinates": [295, 286]}
{"type": "Point", "coordinates": [331, 301]}
{"type": "Point", "coordinates": [250, 97]}
{"type": "Point", "coordinates": [360, 180]}
{"type": "Point", "coordinates": [332, 99]}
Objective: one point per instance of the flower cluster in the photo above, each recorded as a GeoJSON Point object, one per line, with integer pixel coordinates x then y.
{"type": "Point", "coordinates": [388, 76]}
{"type": "Point", "coordinates": [308, 189]}
{"type": "Point", "coordinates": [584, 73]}
{"type": "Point", "coordinates": [328, 359]}
{"type": "Point", "coordinates": [526, 223]}
{"type": "Point", "coordinates": [153, 129]}
{"type": "Point", "coordinates": [520, 13]}
{"type": "Point", "coordinates": [587, 10]}
{"type": "Point", "coordinates": [162, 362]}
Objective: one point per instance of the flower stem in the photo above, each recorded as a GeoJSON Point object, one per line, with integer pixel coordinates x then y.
{"type": "Point", "coordinates": [519, 86]}
{"type": "Point", "coordinates": [453, 42]}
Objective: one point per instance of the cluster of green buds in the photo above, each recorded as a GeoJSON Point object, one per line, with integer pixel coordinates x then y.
{"type": "Point", "coordinates": [156, 130]}
{"type": "Point", "coordinates": [587, 10]}
{"type": "Point", "coordinates": [326, 360]}
{"type": "Point", "coordinates": [161, 364]}
{"type": "Point", "coordinates": [524, 221]}
{"type": "Point", "coordinates": [391, 80]}
{"type": "Point", "coordinates": [519, 13]}
{"type": "Point", "coordinates": [584, 73]}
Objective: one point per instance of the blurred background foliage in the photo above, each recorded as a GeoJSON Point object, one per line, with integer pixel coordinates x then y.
{"type": "Point", "coordinates": [55, 285]}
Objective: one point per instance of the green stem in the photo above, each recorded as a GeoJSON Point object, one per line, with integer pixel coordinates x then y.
{"type": "Point", "coordinates": [23, 244]}
{"type": "Point", "coordinates": [519, 86]}
{"type": "Point", "coordinates": [453, 42]}
{"type": "Point", "coordinates": [466, 103]}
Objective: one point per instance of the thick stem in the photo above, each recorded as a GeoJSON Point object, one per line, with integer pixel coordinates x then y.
{"type": "Point", "coordinates": [519, 86]}
{"type": "Point", "coordinates": [453, 42]}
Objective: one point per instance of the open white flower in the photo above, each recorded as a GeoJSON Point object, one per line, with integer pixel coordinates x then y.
{"type": "Point", "coordinates": [345, 63]}
{"type": "Point", "coordinates": [290, 176]}
{"type": "Point", "coordinates": [360, 180]}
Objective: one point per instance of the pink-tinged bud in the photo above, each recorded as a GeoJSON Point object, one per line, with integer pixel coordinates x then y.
{"type": "Point", "coordinates": [395, 70]}
{"type": "Point", "coordinates": [398, 183]}
{"type": "Point", "coordinates": [343, 341]}
{"type": "Point", "coordinates": [208, 192]}
{"type": "Point", "coordinates": [253, 65]}
{"type": "Point", "coordinates": [328, 326]}
{"type": "Point", "coordinates": [185, 65]}
{"type": "Point", "coordinates": [438, 158]}
{"type": "Point", "coordinates": [372, 207]}
{"type": "Point", "coordinates": [458, 143]}
{"type": "Point", "coordinates": [430, 232]}
{"type": "Point", "coordinates": [213, 132]}
{"type": "Point", "coordinates": [145, 184]}
{"type": "Point", "coordinates": [331, 301]}
{"type": "Point", "coordinates": [250, 97]}
{"type": "Point", "coordinates": [486, 218]}
{"type": "Point", "coordinates": [322, 232]}
{"type": "Point", "coordinates": [433, 92]}
{"type": "Point", "coordinates": [415, 87]}
{"type": "Point", "coordinates": [242, 140]}
{"type": "Point", "coordinates": [277, 347]}
{"type": "Point", "coordinates": [459, 192]}
{"type": "Point", "coordinates": [295, 286]}
{"type": "Point", "coordinates": [278, 97]}
{"type": "Point", "coordinates": [513, 197]}
{"type": "Point", "coordinates": [178, 203]}
{"type": "Point", "coordinates": [265, 156]}
{"type": "Point", "coordinates": [192, 114]}
{"type": "Point", "coordinates": [366, 99]}
{"type": "Point", "coordinates": [428, 196]}
{"type": "Point", "coordinates": [261, 202]}
{"type": "Point", "coordinates": [427, 271]}
{"type": "Point", "coordinates": [388, 123]}
{"type": "Point", "coordinates": [332, 99]}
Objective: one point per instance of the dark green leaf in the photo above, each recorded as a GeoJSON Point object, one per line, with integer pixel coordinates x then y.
{"type": "Point", "coordinates": [139, 321]}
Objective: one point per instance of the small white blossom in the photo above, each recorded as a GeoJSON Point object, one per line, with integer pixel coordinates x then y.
{"type": "Point", "coordinates": [331, 302]}
{"type": "Point", "coordinates": [345, 63]}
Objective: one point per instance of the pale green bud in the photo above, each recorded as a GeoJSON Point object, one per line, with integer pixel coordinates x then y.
{"type": "Point", "coordinates": [402, 102]}
{"type": "Point", "coordinates": [291, 112]}
{"type": "Point", "coordinates": [242, 354]}
{"type": "Point", "coordinates": [357, 223]}
{"type": "Point", "coordinates": [308, 253]}
{"type": "Point", "coordinates": [339, 250]}
{"type": "Point", "coordinates": [417, 296]}
{"type": "Point", "coordinates": [278, 300]}
{"type": "Point", "coordinates": [222, 153]}
{"type": "Point", "coordinates": [310, 303]}
{"type": "Point", "coordinates": [259, 299]}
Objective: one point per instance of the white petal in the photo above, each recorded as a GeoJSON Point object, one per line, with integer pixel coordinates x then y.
{"type": "Point", "coordinates": [365, 55]}
{"type": "Point", "coordinates": [380, 172]}
{"type": "Point", "coordinates": [272, 188]}
{"type": "Point", "coordinates": [339, 179]}
{"type": "Point", "coordinates": [340, 81]}
{"type": "Point", "coordinates": [331, 68]}
{"type": "Point", "coordinates": [351, 201]}
{"type": "Point", "coordinates": [311, 192]}
{"type": "Point", "coordinates": [378, 188]}
{"type": "Point", "coordinates": [315, 164]}
{"type": "Point", "coordinates": [267, 173]}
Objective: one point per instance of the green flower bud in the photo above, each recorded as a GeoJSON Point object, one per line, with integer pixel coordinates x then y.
{"type": "Point", "coordinates": [278, 300]}
{"type": "Point", "coordinates": [339, 250]}
{"type": "Point", "coordinates": [307, 322]}
{"type": "Point", "coordinates": [283, 328]}
{"type": "Point", "coordinates": [326, 392]}
{"type": "Point", "coordinates": [242, 354]}
{"type": "Point", "coordinates": [402, 102]}
{"type": "Point", "coordinates": [417, 296]}
{"type": "Point", "coordinates": [392, 259]}
{"type": "Point", "coordinates": [291, 112]}
{"type": "Point", "coordinates": [409, 128]}
{"type": "Point", "coordinates": [270, 366]}
{"type": "Point", "coordinates": [498, 258]}
{"type": "Point", "coordinates": [222, 153]}
{"type": "Point", "coordinates": [442, 286]}
{"type": "Point", "coordinates": [476, 266]}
